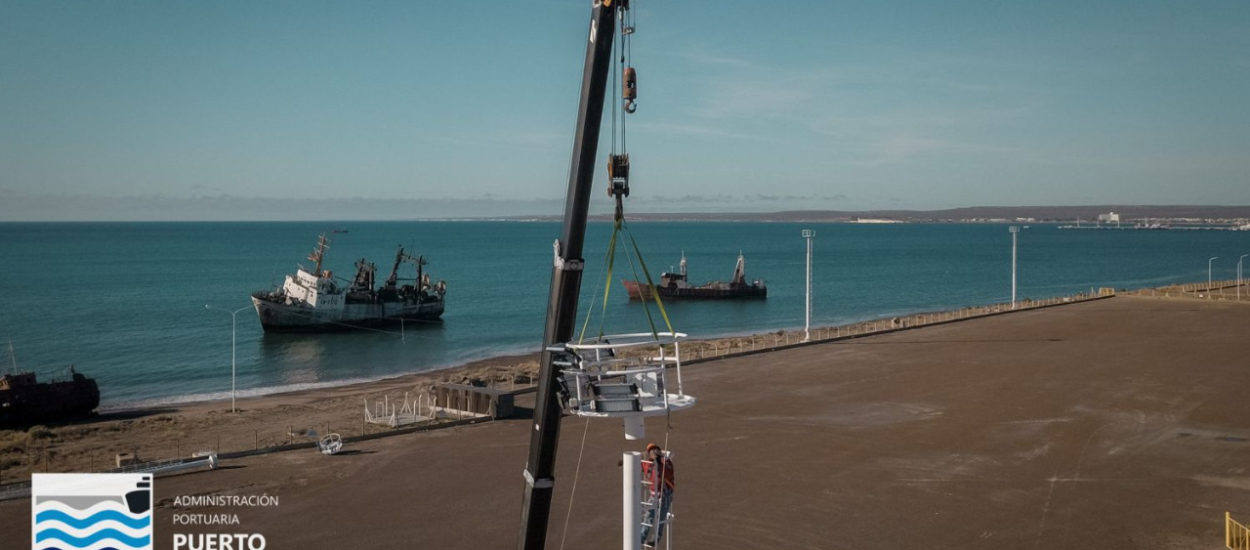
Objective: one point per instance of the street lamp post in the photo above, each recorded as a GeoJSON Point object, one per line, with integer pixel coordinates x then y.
{"type": "Point", "coordinates": [807, 318]}
{"type": "Point", "coordinates": [1209, 261]}
{"type": "Point", "coordinates": [1015, 231]}
{"type": "Point", "coordinates": [233, 370]}
{"type": "Point", "coordinates": [1239, 276]}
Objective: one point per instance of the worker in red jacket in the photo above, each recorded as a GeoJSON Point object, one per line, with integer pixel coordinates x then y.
{"type": "Point", "coordinates": [657, 470]}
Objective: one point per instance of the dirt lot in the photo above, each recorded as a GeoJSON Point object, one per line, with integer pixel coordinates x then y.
{"type": "Point", "coordinates": [1121, 423]}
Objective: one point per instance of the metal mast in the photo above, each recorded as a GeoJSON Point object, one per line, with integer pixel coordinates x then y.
{"type": "Point", "coordinates": [566, 279]}
{"type": "Point", "coordinates": [1015, 231]}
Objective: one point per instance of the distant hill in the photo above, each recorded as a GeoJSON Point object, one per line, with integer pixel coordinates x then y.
{"type": "Point", "coordinates": [972, 213]}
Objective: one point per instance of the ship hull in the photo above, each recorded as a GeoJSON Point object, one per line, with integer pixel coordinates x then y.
{"type": "Point", "coordinates": [715, 291]}
{"type": "Point", "coordinates": [280, 317]}
{"type": "Point", "coordinates": [48, 402]}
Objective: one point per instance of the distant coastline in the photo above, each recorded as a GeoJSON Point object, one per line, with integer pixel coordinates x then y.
{"type": "Point", "coordinates": [972, 214]}
{"type": "Point", "coordinates": [960, 215]}
{"type": "Point", "coordinates": [88, 208]}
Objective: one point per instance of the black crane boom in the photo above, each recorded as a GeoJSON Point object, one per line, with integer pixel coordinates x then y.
{"type": "Point", "coordinates": [566, 278]}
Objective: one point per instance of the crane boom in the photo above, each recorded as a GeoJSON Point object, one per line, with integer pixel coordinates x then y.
{"type": "Point", "coordinates": [566, 278]}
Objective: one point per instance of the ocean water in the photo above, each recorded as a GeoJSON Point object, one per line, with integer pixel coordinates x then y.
{"type": "Point", "coordinates": [124, 302]}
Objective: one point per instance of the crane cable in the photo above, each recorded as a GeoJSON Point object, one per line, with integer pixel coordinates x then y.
{"type": "Point", "coordinates": [624, 55]}
{"type": "Point", "coordinates": [573, 490]}
{"type": "Point", "coordinates": [619, 226]}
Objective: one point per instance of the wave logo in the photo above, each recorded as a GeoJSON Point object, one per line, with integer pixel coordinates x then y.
{"type": "Point", "coordinates": [91, 511]}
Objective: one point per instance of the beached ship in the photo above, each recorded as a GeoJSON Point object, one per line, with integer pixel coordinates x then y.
{"type": "Point", "coordinates": [677, 286]}
{"type": "Point", "coordinates": [24, 401]}
{"type": "Point", "coordinates": [314, 301]}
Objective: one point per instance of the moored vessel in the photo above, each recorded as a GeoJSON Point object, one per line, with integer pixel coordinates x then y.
{"type": "Point", "coordinates": [677, 286]}
{"type": "Point", "coordinates": [24, 401]}
{"type": "Point", "coordinates": [314, 301]}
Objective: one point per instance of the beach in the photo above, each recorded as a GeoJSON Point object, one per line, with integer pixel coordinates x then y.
{"type": "Point", "coordinates": [283, 419]}
{"type": "Point", "coordinates": [1111, 423]}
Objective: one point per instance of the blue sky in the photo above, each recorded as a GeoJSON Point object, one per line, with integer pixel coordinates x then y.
{"type": "Point", "coordinates": [744, 105]}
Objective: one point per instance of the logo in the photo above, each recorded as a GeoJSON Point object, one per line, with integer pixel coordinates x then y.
{"type": "Point", "coordinates": [91, 511]}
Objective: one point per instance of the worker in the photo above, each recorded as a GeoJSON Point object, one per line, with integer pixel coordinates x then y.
{"type": "Point", "coordinates": [657, 470]}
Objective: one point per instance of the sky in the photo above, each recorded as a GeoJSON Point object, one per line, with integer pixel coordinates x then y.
{"type": "Point", "coordinates": [350, 110]}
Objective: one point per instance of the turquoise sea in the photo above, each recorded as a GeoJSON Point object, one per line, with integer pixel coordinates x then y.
{"type": "Point", "coordinates": [124, 302]}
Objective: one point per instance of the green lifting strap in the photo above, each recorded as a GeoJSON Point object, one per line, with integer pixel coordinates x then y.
{"type": "Point", "coordinates": [658, 302]}
{"type": "Point", "coordinates": [607, 285]}
{"type": "Point", "coordinates": [617, 228]}
{"type": "Point", "coordinates": [646, 310]}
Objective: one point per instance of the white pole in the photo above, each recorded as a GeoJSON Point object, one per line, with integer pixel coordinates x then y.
{"type": "Point", "coordinates": [631, 500]}
{"type": "Point", "coordinates": [1209, 262]}
{"type": "Point", "coordinates": [807, 316]}
{"type": "Point", "coordinates": [233, 370]}
{"type": "Point", "coordinates": [233, 348]}
{"type": "Point", "coordinates": [1014, 232]}
{"type": "Point", "coordinates": [1239, 275]}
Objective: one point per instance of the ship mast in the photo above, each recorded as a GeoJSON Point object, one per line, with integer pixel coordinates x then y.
{"type": "Point", "coordinates": [740, 271]}
{"type": "Point", "coordinates": [12, 356]}
{"type": "Point", "coordinates": [566, 278]}
{"type": "Point", "coordinates": [319, 253]}
{"type": "Point", "coordinates": [394, 278]}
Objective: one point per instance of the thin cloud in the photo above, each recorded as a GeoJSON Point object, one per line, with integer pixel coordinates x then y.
{"type": "Point", "coordinates": [689, 129]}
{"type": "Point", "coordinates": [700, 57]}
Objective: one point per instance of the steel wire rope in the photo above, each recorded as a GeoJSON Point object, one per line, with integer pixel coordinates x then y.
{"type": "Point", "coordinates": [573, 489]}
{"type": "Point", "coordinates": [615, 86]}
{"type": "Point", "coordinates": [624, 51]}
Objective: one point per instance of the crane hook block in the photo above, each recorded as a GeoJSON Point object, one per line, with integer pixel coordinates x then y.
{"type": "Point", "coordinates": [629, 89]}
{"type": "Point", "coordinates": [618, 173]}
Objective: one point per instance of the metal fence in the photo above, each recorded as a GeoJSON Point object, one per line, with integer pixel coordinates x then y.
{"type": "Point", "coordinates": [1217, 290]}
{"type": "Point", "coordinates": [1236, 535]}
{"type": "Point", "coordinates": [727, 347]}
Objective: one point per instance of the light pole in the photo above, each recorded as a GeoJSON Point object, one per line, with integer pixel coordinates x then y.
{"type": "Point", "coordinates": [1015, 231]}
{"type": "Point", "coordinates": [807, 318]}
{"type": "Point", "coordinates": [1212, 259]}
{"type": "Point", "coordinates": [232, 347]}
{"type": "Point", "coordinates": [1239, 277]}
{"type": "Point", "coordinates": [1209, 275]}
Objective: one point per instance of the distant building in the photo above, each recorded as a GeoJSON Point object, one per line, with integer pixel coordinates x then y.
{"type": "Point", "coordinates": [1109, 217]}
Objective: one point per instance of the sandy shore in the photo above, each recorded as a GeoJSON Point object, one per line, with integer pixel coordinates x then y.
{"type": "Point", "coordinates": [180, 430]}
{"type": "Point", "coordinates": [1116, 423]}
{"type": "Point", "coordinates": [164, 432]}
